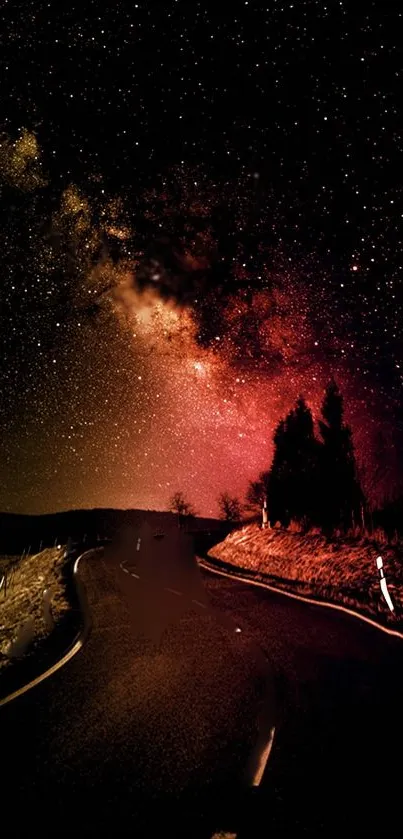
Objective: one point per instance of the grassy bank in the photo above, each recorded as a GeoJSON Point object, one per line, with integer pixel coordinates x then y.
{"type": "Point", "coordinates": [340, 570]}
{"type": "Point", "coordinates": [27, 578]}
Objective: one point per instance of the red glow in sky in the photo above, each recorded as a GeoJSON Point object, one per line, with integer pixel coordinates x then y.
{"type": "Point", "coordinates": [171, 363]}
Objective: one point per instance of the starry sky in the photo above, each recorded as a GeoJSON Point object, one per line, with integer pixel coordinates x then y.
{"type": "Point", "coordinates": [201, 219]}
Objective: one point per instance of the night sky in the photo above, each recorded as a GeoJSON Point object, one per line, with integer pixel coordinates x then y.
{"type": "Point", "coordinates": [200, 219]}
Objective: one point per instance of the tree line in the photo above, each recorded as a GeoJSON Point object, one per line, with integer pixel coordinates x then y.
{"type": "Point", "coordinates": [313, 477]}
{"type": "Point", "coordinates": [229, 506]}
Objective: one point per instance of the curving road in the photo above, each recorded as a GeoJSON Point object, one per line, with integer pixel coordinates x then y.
{"type": "Point", "coordinates": [138, 728]}
{"type": "Point", "coordinates": [146, 722]}
{"type": "Point", "coordinates": [335, 768]}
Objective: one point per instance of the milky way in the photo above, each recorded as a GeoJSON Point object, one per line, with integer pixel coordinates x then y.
{"type": "Point", "coordinates": [200, 244]}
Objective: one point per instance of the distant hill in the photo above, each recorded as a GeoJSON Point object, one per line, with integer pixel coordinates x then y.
{"type": "Point", "coordinates": [21, 532]}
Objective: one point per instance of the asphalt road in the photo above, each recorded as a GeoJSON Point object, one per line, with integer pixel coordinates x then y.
{"type": "Point", "coordinates": [138, 729]}
{"type": "Point", "coordinates": [336, 764]}
{"type": "Point", "coordinates": [154, 719]}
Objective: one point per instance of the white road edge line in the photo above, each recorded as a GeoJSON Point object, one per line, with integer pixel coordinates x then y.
{"type": "Point", "coordinates": [62, 661]}
{"type": "Point", "coordinates": [224, 835]}
{"type": "Point", "coordinates": [264, 757]}
{"type": "Point", "coordinates": [321, 603]}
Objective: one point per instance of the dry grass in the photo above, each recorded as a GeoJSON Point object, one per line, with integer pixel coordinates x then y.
{"type": "Point", "coordinates": [28, 577]}
{"type": "Point", "coordinates": [342, 569]}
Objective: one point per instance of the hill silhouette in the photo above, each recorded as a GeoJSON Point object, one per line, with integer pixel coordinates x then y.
{"type": "Point", "coordinates": [87, 527]}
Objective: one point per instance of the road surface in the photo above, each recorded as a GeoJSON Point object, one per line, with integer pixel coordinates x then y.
{"type": "Point", "coordinates": [111, 741]}
{"type": "Point", "coordinates": [335, 767]}
{"type": "Point", "coordinates": [155, 717]}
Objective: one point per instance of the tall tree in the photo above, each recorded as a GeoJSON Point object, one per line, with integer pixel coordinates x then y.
{"type": "Point", "coordinates": [230, 508]}
{"type": "Point", "coordinates": [293, 480]}
{"type": "Point", "coordinates": [256, 492]}
{"type": "Point", "coordinates": [341, 494]}
{"type": "Point", "coordinates": [279, 478]}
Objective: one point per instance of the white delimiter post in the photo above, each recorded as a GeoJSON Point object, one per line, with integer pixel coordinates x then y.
{"type": "Point", "coordinates": [265, 519]}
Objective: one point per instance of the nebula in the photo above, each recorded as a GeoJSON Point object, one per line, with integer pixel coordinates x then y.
{"type": "Point", "coordinates": [161, 341]}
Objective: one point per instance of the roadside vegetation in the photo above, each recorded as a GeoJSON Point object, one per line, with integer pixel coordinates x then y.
{"type": "Point", "coordinates": [323, 528]}
{"type": "Point", "coordinates": [23, 583]}
{"type": "Point", "coordinates": [341, 569]}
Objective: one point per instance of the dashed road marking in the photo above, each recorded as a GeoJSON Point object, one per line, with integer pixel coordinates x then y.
{"type": "Point", "coordinates": [264, 758]}
{"type": "Point", "coordinates": [173, 591]}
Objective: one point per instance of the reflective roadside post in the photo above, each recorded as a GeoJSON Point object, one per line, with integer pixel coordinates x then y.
{"type": "Point", "coordinates": [265, 518]}
{"type": "Point", "coordinates": [383, 583]}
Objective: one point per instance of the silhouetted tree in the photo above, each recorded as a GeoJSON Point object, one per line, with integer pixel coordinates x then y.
{"type": "Point", "coordinates": [293, 484]}
{"type": "Point", "coordinates": [256, 492]}
{"type": "Point", "coordinates": [341, 494]}
{"type": "Point", "coordinates": [378, 478]}
{"type": "Point", "coordinates": [179, 505]}
{"type": "Point", "coordinates": [390, 517]}
{"type": "Point", "coordinates": [279, 478]}
{"type": "Point", "coordinates": [230, 508]}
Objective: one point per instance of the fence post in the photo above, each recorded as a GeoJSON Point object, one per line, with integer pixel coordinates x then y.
{"type": "Point", "coordinates": [265, 518]}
